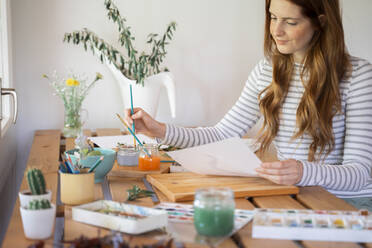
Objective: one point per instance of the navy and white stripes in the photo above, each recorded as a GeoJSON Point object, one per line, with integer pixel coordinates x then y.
{"type": "Point", "coordinates": [346, 171]}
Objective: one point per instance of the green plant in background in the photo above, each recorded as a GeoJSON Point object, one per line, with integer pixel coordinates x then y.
{"type": "Point", "coordinates": [136, 192]}
{"type": "Point", "coordinates": [72, 90]}
{"type": "Point", "coordinates": [86, 153]}
{"type": "Point", "coordinates": [39, 204]}
{"type": "Point", "coordinates": [36, 182]}
{"type": "Point", "coordinates": [136, 66]}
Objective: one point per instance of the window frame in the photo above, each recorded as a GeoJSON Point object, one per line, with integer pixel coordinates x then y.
{"type": "Point", "coordinates": [5, 64]}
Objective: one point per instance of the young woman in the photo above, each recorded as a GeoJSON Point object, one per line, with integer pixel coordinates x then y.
{"type": "Point", "coordinates": [315, 99]}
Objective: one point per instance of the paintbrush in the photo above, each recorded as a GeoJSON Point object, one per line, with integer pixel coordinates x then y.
{"type": "Point", "coordinates": [132, 112]}
{"type": "Point", "coordinates": [130, 130]}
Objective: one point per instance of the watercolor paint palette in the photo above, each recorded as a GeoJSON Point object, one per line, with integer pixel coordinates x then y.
{"type": "Point", "coordinates": [320, 225]}
{"type": "Point", "coordinates": [184, 213]}
{"type": "Point", "coordinates": [118, 216]}
{"type": "Point", "coordinates": [181, 223]}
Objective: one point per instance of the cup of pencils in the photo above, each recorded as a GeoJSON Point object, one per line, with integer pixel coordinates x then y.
{"type": "Point", "coordinates": [77, 188]}
{"type": "Point", "coordinates": [101, 160]}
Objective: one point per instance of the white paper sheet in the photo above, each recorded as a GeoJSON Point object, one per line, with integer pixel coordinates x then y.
{"type": "Point", "coordinates": [109, 142]}
{"type": "Point", "coordinates": [230, 157]}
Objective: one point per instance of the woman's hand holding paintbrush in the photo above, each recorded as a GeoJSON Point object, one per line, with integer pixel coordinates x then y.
{"type": "Point", "coordinates": [134, 135]}
{"type": "Point", "coordinates": [144, 123]}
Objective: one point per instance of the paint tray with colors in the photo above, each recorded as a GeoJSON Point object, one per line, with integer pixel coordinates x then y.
{"type": "Point", "coordinates": [181, 224]}
{"type": "Point", "coordinates": [184, 213]}
{"type": "Point", "coordinates": [320, 225]}
{"type": "Point", "coordinates": [118, 216]}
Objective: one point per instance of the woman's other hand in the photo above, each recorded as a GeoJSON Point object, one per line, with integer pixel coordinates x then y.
{"type": "Point", "coordinates": [144, 123]}
{"type": "Point", "coordinates": [288, 172]}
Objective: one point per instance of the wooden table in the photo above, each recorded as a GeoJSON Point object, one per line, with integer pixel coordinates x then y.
{"type": "Point", "coordinates": [45, 152]}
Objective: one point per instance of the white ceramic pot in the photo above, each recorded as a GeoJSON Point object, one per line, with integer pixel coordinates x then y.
{"type": "Point", "coordinates": [25, 197]}
{"type": "Point", "coordinates": [147, 96]}
{"type": "Point", "coordinates": [38, 224]}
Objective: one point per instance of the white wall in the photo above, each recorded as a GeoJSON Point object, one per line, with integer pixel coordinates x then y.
{"type": "Point", "coordinates": [216, 44]}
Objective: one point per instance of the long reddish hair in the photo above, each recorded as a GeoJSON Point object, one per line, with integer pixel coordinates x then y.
{"type": "Point", "coordinates": [325, 65]}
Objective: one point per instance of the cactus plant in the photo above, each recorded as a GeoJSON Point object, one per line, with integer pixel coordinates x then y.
{"type": "Point", "coordinates": [39, 204]}
{"type": "Point", "coordinates": [36, 181]}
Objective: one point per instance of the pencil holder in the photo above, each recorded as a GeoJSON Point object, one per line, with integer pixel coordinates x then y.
{"type": "Point", "coordinates": [104, 167]}
{"type": "Point", "coordinates": [77, 188]}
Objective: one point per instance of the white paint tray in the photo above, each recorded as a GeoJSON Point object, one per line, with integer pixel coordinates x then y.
{"type": "Point", "coordinates": [120, 217]}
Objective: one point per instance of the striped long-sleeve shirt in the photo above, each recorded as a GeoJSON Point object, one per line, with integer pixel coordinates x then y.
{"type": "Point", "coordinates": [346, 171]}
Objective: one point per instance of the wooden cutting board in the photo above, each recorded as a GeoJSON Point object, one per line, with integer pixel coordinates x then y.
{"type": "Point", "coordinates": [181, 186]}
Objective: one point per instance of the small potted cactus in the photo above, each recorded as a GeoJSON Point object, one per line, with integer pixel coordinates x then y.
{"type": "Point", "coordinates": [37, 188]}
{"type": "Point", "coordinates": [38, 219]}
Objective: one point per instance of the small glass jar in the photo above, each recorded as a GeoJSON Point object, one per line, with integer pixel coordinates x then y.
{"type": "Point", "coordinates": [214, 211]}
{"type": "Point", "coordinates": [149, 158]}
{"type": "Point", "coordinates": [127, 156]}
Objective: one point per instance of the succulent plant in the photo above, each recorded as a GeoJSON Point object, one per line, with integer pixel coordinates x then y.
{"type": "Point", "coordinates": [39, 204]}
{"type": "Point", "coordinates": [136, 192]}
{"type": "Point", "coordinates": [36, 181]}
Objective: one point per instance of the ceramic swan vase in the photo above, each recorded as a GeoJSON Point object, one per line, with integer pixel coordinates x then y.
{"type": "Point", "coordinates": [147, 96]}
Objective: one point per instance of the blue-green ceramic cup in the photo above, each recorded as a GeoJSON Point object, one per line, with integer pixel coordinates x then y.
{"type": "Point", "coordinates": [103, 168]}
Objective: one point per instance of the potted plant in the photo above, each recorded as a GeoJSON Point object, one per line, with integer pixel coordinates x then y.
{"type": "Point", "coordinates": [133, 68]}
{"type": "Point", "coordinates": [38, 219]}
{"type": "Point", "coordinates": [37, 188]}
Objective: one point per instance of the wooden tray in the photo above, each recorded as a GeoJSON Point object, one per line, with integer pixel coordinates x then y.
{"type": "Point", "coordinates": [181, 186]}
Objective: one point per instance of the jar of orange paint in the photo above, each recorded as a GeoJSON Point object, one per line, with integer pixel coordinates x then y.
{"type": "Point", "coordinates": [149, 158]}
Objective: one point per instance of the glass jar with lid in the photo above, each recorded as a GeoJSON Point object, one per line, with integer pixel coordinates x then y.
{"type": "Point", "coordinates": [214, 211]}
{"type": "Point", "coordinates": [149, 157]}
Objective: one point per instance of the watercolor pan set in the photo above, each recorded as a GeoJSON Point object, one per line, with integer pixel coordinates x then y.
{"type": "Point", "coordinates": [320, 225]}
{"type": "Point", "coordinates": [120, 216]}
{"type": "Point", "coordinates": [184, 213]}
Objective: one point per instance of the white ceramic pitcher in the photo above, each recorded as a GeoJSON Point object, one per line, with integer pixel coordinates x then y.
{"type": "Point", "coordinates": [147, 96]}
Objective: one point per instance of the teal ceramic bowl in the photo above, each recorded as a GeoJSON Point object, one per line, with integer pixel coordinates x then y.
{"type": "Point", "coordinates": [103, 168]}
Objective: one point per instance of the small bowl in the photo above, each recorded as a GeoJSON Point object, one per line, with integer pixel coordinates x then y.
{"type": "Point", "coordinates": [103, 168]}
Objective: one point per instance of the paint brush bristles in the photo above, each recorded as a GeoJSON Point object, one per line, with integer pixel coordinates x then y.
{"type": "Point", "coordinates": [130, 130]}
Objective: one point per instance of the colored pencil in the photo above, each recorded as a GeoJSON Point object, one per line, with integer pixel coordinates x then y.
{"type": "Point", "coordinates": [71, 167]}
{"type": "Point", "coordinates": [130, 130]}
{"type": "Point", "coordinates": [68, 167]}
{"type": "Point", "coordinates": [95, 165]}
{"type": "Point", "coordinates": [132, 112]}
{"type": "Point", "coordinates": [75, 168]}
{"type": "Point", "coordinates": [66, 164]}
{"type": "Point", "coordinates": [62, 168]}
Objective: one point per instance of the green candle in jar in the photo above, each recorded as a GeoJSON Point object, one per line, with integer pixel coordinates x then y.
{"type": "Point", "coordinates": [214, 211]}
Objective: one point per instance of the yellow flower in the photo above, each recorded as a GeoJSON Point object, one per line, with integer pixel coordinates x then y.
{"type": "Point", "coordinates": [99, 76]}
{"type": "Point", "coordinates": [72, 82]}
